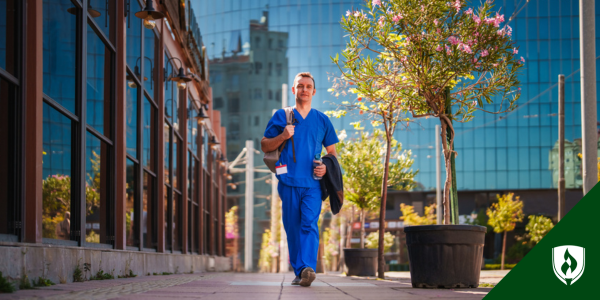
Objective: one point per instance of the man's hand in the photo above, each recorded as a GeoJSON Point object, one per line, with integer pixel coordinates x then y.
{"type": "Point", "coordinates": [321, 170]}
{"type": "Point", "coordinates": [288, 132]}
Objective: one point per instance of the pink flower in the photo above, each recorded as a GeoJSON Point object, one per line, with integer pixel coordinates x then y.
{"type": "Point", "coordinates": [484, 53]}
{"type": "Point", "coordinates": [381, 21]}
{"type": "Point", "coordinates": [522, 60]}
{"type": "Point", "coordinates": [408, 39]}
{"type": "Point", "coordinates": [473, 103]}
{"type": "Point", "coordinates": [515, 51]}
{"type": "Point", "coordinates": [457, 5]}
{"type": "Point", "coordinates": [474, 59]}
{"type": "Point", "coordinates": [448, 50]}
{"type": "Point", "coordinates": [476, 19]}
{"type": "Point", "coordinates": [397, 18]}
{"type": "Point", "coordinates": [508, 30]}
{"type": "Point", "coordinates": [348, 13]}
{"type": "Point", "coordinates": [453, 40]}
{"type": "Point", "coordinates": [403, 59]}
{"type": "Point", "coordinates": [501, 32]}
{"type": "Point", "coordinates": [499, 18]}
{"type": "Point", "coordinates": [376, 2]}
{"type": "Point", "coordinates": [439, 48]}
{"type": "Point", "coordinates": [357, 13]}
{"type": "Point", "coordinates": [495, 65]}
{"type": "Point", "coordinates": [422, 8]}
{"type": "Point", "coordinates": [436, 22]}
{"type": "Point", "coordinates": [469, 11]}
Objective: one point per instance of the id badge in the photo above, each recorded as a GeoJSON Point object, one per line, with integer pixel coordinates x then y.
{"type": "Point", "coordinates": [281, 169]}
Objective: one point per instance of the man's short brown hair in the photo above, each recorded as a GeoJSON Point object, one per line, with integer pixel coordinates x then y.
{"type": "Point", "coordinates": [305, 74]}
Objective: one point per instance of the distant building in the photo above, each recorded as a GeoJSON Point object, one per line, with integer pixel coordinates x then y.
{"type": "Point", "coordinates": [247, 83]}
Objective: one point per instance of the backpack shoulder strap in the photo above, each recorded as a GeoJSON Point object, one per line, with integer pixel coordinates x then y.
{"type": "Point", "coordinates": [289, 110]}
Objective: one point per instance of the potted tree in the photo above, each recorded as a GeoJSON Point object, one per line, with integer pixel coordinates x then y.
{"type": "Point", "coordinates": [431, 59]}
{"type": "Point", "coordinates": [362, 162]}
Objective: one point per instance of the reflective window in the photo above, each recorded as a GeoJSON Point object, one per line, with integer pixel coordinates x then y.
{"type": "Point", "coordinates": [59, 52]}
{"type": "Point", "coordinates": [134, 38]}
{"type": "Point", "coordinates": [102, 12]}
{"type": "Point", "coordinates": [167, 138]}
{"type": "Point", "coordinates": [176, 227]}
{"type": "Point", "coordinates": [176, 162]}
{"type": "Point", "coordinates": [168, 218]}
{"type": "Point", "coordinates": [149, 148]}
{"type": "Point", "coordinates": [131, 118]}
{"type": "Point", "coordinates": [96, 172]}
{"type": "Point", "coordinates": [130, 224]}
{"type": "Point", "coordinates": [56, 175]}
{"type": "Point", "coordinates": [8, 35]}
{"type": "Point", "coordinates": [8, 164]}
{"type": "Point", "coordinates": [149, 213]}
{"type": "Point", "coordinates": [99, 69]}
{"type": "Point", "coordinates": [149, 62]}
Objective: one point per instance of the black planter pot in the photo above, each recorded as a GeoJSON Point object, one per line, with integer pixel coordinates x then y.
{"type": "Point", "coordinates": [361, 262]}
{"type": "Point", "coordinates": [445, 256]}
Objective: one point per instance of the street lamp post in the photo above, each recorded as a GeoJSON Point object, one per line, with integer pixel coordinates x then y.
{"type": "Point", "coordinates": [587, 47]}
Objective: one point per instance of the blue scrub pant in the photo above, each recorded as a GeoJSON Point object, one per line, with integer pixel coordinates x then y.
{"type": "Point", "coordinates": [300, 209]}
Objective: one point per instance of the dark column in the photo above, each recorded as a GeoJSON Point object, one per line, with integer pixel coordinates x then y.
{"type": "Point", "coordinates": [120, 131]}
{"type": "Point", "coordinates": [33, 79]}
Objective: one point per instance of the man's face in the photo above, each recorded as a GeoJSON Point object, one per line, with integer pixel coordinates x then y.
{"type": "Point", "coordinates": [304, 89]}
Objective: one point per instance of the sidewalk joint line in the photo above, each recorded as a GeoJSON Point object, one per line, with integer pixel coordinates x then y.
{"type": "Point", "coordinates": [335, 287]}
{"type": "Point", "coordinates": [281, 290]}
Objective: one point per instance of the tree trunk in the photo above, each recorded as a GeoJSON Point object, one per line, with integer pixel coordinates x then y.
{"type": "Point", "coordinates": [450, 141]}
{"type": "Point", "coordinates": [450, 184]}
{"type": "Point", "coordinates": [386, 169]}
{"type": "Point", "coordinates": [349, 236]}
{"type": "Point", "coordinates": [362, 228]}
{"type": "Point", "coordinates": [503, 251]}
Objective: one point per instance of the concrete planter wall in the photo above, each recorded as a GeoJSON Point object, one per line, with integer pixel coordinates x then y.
{"type": "Point", "coordinates": [58, 263]}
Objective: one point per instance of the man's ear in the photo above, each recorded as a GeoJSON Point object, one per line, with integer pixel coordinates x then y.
{"type": "Point", "coordinates": [314, 91]}
{"type": "Point", "coordinates": [293, 90]}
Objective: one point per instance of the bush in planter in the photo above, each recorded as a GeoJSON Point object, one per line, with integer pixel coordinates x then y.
{"type": "Point", "coordinates": [373, 241]}
{"type": "Point", "coordinates": [537, 228]}
{"type": "Point", "coordinates": [420, 59]}
{"type": "Point", "coordinates": [411, 218]}
{"type": "Point", "coordinates": [362, 161]}
{"type": "Point", "coordinates": [504, 216]}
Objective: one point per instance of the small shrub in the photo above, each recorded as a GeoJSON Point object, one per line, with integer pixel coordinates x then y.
{"type": "Point", "coordinates": [497, 266]}
{"type": "Point", "coordinates": [78, 274]}
{"type": "Point", "coordinates": [167, 273]}
{"type": "Point", "coordinates": [100, 275]}
{"type": "Point", "coordinates": [486, 285]}
{"type": "Point", "coordinates": [5, 285]}
{"type": "Point", "coordinates": [129, 275]}
{"type": "Point", "coordinates": [25, 284]}
{"type": "Point", "coordinates": [43, 282]}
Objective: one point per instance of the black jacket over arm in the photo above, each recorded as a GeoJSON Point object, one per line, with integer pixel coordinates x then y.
{"type": "Point", "coordinates": [332, 184]}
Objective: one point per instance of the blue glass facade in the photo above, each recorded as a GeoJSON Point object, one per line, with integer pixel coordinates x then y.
{"type": "Point", "coordinates": [495, 152]}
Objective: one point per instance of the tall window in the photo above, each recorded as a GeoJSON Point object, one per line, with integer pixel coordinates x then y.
{"type": "Point", "coordinates": [78, 124]}
{"type": "Point", "coordinates": [193, 178]}
{"type": "Point", "coordinates": [141, 130]}
{"type": "Point", "coordinates": [10, 117]}
{"type": "Point", "coordinates": [174, 149]}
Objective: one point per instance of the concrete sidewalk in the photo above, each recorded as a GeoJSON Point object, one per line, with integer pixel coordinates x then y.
{"type": "Point", "coordinates": [249, 286]}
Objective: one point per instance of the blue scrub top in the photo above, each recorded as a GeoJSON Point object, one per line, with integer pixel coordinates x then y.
{"type": "Point", "coordinates": [310, 135]}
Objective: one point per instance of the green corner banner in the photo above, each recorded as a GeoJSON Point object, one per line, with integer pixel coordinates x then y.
{"type": "Point", "coordinates": [565, 264]}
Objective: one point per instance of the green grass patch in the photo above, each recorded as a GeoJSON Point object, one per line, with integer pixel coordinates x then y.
{"type": "Point", "coordinates": [486, 285]}
{"type": "Point", "coordinates": [43, 282]}
{"type": "Point", "coordinates": [497, 266]}
{"type": "Point", "coordinates": [5, 285]}
{"type": "Point", "coordinates": [100, 275]}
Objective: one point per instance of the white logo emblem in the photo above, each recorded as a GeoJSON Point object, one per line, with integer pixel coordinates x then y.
{"type": "Point", "coordinates": [568, 263]}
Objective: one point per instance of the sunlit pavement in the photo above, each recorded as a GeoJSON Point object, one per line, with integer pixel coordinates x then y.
{"type": "Point", "coordinates": [249, 286]}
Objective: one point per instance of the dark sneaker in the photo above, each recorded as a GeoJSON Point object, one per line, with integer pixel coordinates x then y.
{"type": "Point", "coordinates": [296, 281]}
{"type": "Point", "coordinates": [307, 276]}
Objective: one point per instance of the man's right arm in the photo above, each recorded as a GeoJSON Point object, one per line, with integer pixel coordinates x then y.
{"type": "Point", "coordinates": [268, 145]}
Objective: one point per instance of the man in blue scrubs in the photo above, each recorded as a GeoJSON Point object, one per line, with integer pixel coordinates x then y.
{"type": "Point", "coordinates": [300, 193]}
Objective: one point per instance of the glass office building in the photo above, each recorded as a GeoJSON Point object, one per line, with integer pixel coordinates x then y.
{"type": "Point", "coordinates": [103, 145]}
{"type": "Point", "coordinates": [495, 152]}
